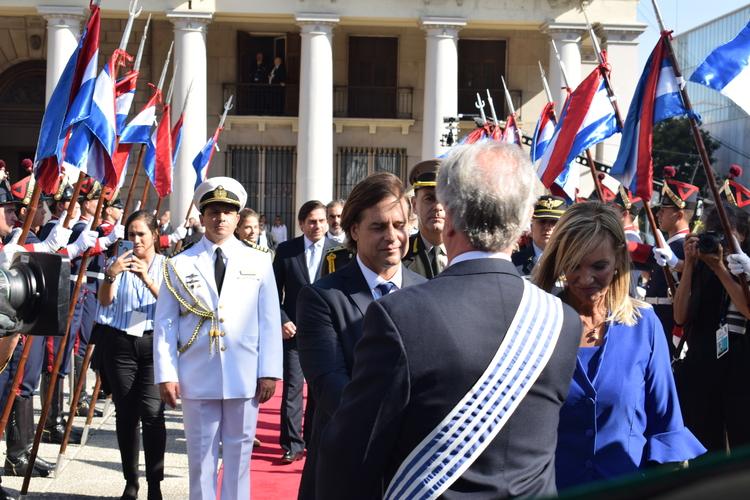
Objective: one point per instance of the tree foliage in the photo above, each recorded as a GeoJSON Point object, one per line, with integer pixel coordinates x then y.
{"type": "Point", "coordinates": [674, 145]}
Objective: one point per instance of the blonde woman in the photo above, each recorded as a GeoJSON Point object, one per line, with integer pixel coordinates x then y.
{"type": "Point", "coordinates": [622, 412]}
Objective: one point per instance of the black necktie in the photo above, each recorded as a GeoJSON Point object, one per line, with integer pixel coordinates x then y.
{"type": "Point", "coordinates": [434, 261]}
{"type": "Point", "coordinates": [219, 269]}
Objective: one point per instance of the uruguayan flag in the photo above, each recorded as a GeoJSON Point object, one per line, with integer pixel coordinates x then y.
{"type": "Point", "coordinates": [727, 69]}
{"type": "Point", "coordinates": [138, 131]}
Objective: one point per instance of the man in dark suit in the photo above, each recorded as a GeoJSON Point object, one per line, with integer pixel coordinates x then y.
{"type": "Point", "coordinates": [330, 312]}
{"type": "Point", "coordinates": [426, 253]}
{"type": "Point", "coordinates": [448, 396]}
{"type": "Point", "coordinates": [297, 263]}
{"type": "Point", "coordinates": [547, 211]}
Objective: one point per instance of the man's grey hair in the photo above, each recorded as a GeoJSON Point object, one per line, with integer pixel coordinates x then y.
{"type": "Point", "coordinates": [488, 190]}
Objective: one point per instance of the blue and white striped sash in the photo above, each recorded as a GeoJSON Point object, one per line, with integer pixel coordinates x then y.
{"type": "Point", "coordinates": [461, 437]}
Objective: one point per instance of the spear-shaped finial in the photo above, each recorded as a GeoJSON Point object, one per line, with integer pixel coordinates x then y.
{"type": "Point", "coordinates": [165, 67]}
{"type": "Point", "coordinates": [492, 106]}
{"type": "Point", "coordinates": [227, 106]}
{"type": "Point", "coordinates": [133, 12]}
{"type": "Point", "coordinates": [508, 101]}
{"type": "Point", "coordinates": [545, 83]}
{"type": "Point", "coordinates": [563, 72]}
{"type": "Point", "coordinates": [592, 34]}
{"type": "Point", "coordinates": [139, 55]}
{"type": "Point", "coordinates": [479, 104]}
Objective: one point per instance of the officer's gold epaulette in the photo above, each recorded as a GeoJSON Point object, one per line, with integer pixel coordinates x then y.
{"type": "Point", "coordinates": [256, 246]}
{"type": "Point", "coordinates": [183, 249]}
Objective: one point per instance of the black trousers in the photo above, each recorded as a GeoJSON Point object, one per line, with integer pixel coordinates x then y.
{"type": "Point", "coordinates": [129, 367]}
{"type": "Point", "coordinates": [293, 438]}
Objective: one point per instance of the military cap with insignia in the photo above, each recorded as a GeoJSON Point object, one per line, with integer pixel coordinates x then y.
{"type": "Point", "coordinates": [6, 194]}
{"type": "Point", "coordinates": [734, 192]}
{"type": "Point", "coordinates": [676, 194]}
{"type": "Point", "coordinates": [220, 190]}
{"type": "Point", "coordinates": [424, 174]}
{"type": "Point", "coordinates": [627, 201]}
{"type": "Point", "coordinates": [90, 190]}
{"type": "Point", "coordinates": [549, 207]}
{"type": "Point", "coordinates": [112, 198]}
{"type": "Point", "coordinates": [24, 188]}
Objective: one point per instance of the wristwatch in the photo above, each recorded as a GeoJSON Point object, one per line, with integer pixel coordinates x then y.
{"type": "Point", "coordinates": [109, 278]}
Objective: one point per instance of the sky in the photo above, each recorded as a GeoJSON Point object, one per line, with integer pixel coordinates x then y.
{"type": "Point", "coordinates": [679, 16]}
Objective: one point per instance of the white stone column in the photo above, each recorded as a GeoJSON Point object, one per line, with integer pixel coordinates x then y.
{"type": "Point", "coordinates": [621, 42]}
{"type": "Point", "coordinates": [440, 80]}
{"type": "Point", "coordinates": [190, 59]}
{"type": "Point", "coordinates": [63, 31]}
{"type": "Point", "coordinates": [567, 37]}
{"type": "Point", "coordinates": [314, 180]}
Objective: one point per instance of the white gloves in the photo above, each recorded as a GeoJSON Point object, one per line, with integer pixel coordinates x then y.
{"type": "Point", "coordinates": [10, 249]}
{"type": "Point", "coordinates": [118, 232]}
{"type": "Point", "coordinates": [665, 256]}
{"type": "Point", "coordinates": [177, 235]}
{"type": "Point", "coordinates": [57, 238]}
{"type": "Point", "coordinates": [85, 240]}
{"type": "Point", "coordinates": [738, 263]}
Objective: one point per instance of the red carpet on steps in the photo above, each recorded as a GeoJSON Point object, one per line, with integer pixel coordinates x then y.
{"type": "Point", "coordinates": [271, 479]}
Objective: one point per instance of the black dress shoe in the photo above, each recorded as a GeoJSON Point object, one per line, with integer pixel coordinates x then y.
{"type": "Point", "coordinates": [55, 435]}
{"type": "Point", "coordinates": [18, 467]}
{"type": "Point", "coordinates": [42, 466]}
{"type": "Point", "coordinates": [131, 491]}
{"type": "Point", "coordinates": [290, 457]}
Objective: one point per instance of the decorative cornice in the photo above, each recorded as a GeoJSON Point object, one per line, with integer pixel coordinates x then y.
{"type": "Point", "coordinates": [62, 15]}
{"type": "Point", "coordinates": [189, 20]}
{"type": "Point", "coordinates": [441, 22]}
{"type": "Point", "coordinates": [316, 18]}
{"type": "Point", "coordinates": [624, 34]}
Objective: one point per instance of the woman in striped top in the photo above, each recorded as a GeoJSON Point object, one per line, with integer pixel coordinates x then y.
{"type": "Point", "coordinates": [128, 298]}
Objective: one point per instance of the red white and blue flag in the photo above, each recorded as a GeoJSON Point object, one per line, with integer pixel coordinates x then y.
{"type": "Point", "coordinates": [545, 129]}
{"type": "Point", "coordinates": [138, 130]}
{"type": "Point", "coordinates": [177, 136]}
{"type": "Point", "coordinates": [125, 92]}
{"type": "Point", "coordinates": [656, 98]}
{"type": "Point", "coordinates": [203, 159]}
{"type": "Point", "coordinates": [587, 119]}
{"type": "Point", "coordinates": [158, 159]}
{"type": "Point", "coordinates": [511, 132]}
{"type": "Point", "coordinates": [54, 129]}
{"type": "Point", "coordinates": [93, 141]}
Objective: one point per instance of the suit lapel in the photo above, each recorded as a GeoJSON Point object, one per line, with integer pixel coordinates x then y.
{"type": "Point", "coordinates": [204, 264]}
{"type": "Point", "coordinates": [356, 287]}
{"type": "Point", "coordinates": [300, 260]}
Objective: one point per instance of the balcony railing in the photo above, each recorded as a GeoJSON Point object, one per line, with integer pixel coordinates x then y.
{"type": "Point", "coordinates": [351, 101]}
{"type": "Point", "coordinates": [263, 100]}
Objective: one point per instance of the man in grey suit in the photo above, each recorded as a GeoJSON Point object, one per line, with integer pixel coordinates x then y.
{"type": "Point", "coordinates": [457, 383]}
{"type": "Point", "coordinates": [297, 263]}
{"type": "Point", "coordinates": [330, 312]}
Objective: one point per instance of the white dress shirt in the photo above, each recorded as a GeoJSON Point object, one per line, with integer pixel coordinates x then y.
{"type": "Point", "coordinates": [373, 279]}
{"type": "Point", "coordinates": [314, 265]}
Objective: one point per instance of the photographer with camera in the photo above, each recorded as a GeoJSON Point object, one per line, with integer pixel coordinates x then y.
{"type": "Point", "coordinates": [710, 305]}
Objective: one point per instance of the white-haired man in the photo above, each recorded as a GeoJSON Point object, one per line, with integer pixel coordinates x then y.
{"type": "Point", "coordinates": [457, 383]}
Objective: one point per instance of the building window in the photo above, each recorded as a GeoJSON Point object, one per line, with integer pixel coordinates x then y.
{"type": "Point", "coordinates": [373, 90]}
{"type": "Point", "coordinates": [267, 174]}
{"type": "Point", "coordinates": [354, 164]}
{"type": "Point", "coordinates": [480, 65]}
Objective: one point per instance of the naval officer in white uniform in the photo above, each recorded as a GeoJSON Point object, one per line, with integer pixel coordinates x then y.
{"type": "Point", "coordinates": [216, 341]}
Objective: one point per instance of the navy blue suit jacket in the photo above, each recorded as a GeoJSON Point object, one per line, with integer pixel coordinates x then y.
{"type": "Point", "coordinates": [329, 325]}
{"type": "Point", "coordinates": [421, 351]}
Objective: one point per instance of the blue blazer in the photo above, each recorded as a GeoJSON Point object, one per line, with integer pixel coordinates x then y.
{"type": "Point", "coordinates": [329, 325]}
{"type": "Point", "coordinates": [628, 415]}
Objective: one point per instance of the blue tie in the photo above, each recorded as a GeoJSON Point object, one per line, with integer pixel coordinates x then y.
{"type": "Point", "coordinates": [386, 288]}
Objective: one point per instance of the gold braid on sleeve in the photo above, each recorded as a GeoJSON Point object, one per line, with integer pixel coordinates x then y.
{"type": "Point", "coordinates": [197, 307]}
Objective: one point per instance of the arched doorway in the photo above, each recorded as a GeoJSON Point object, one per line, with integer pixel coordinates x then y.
{"type": "Point", "coordinates": [22, 89]}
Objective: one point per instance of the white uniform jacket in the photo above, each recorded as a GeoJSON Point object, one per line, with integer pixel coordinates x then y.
{"type": "Point", "coordinates": [247, 314]}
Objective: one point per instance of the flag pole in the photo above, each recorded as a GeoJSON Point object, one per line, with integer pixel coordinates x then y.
{"type": "Point", "coordinates": [61, 349]}
{"type": "Point", "coordinates": [136, 171]}
{"type": "Point", "coordinates": [227, 106]}
{"type": "Point", "coordinates": [133, 12]}
{"type": "Point", "coordinates": [660, 242]}
{"type": "Point", "coordinates": [491, 104]}
{"type": "Point", "coordinates": [18, 377]}
{"type": "Point", "coordinates": [699, 144]}
{"type": "Point", "coordinates": [92, 410]}
{"type": "Point", "coordinates": [479, 104]}
{"type": "Point", "coordinates": [512, 109]}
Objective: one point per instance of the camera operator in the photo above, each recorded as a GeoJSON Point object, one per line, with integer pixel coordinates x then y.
{"type": "Point", "coordinates": [709, 303]}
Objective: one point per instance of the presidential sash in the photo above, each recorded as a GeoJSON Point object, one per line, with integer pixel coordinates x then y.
{"type": "Point", "coordinates": [461, 437]}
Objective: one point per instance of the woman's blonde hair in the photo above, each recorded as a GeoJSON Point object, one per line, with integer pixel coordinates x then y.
{"type": "Point", "coordinates": [578, 232]}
